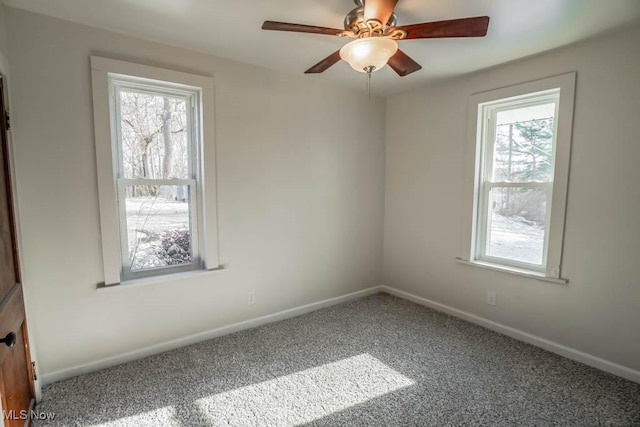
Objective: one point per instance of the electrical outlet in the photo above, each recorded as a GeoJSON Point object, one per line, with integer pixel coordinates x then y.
{"type": "Point", "coordinates": [251, 297]}
{"type": "Point", "coordinates": [491, 297]}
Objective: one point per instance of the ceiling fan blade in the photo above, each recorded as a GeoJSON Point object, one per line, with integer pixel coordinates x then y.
{"type": "Point", "coordinates": [403, 64]}
{"type": "Point", "coordinates": [325, 64]}
{"type": "Point", "coordinates": [299, 28]}
{"type": "Point", "coordinates": [466, 27]}
{"type": "Point", "coordinates": [379, 9]}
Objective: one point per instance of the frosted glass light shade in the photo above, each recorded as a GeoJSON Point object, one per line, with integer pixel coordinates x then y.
{"type": "Point", "coordinates": [369, 52]}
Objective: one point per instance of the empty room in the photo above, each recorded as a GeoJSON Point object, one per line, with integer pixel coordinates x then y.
{"type": "Point", "coordinates": [320, 212]}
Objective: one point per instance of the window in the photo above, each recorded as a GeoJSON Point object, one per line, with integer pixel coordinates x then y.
{"type": "Point", "coordinates": [155, 158]}
{"type": "Point", "coordinates": [519, 157]}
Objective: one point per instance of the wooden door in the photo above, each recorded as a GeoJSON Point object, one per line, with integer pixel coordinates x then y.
{"type": "Point", "coordinates": [16, 385]}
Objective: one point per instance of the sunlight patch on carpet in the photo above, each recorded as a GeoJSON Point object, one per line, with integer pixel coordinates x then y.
{"type": "Point", "coordinates": [305, 396]}
{"type": "Point", "coordinates": [153, 418]}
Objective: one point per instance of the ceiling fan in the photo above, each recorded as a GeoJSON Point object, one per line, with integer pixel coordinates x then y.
{"type": "Point", "coordinates": [372, 25]}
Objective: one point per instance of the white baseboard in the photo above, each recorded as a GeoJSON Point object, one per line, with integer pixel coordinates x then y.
{"type": "Point", "coordinates": [562, 350]}
{"type": "Point", "coordinates": [202, 336]}
{"type": "Point", "coordinates": [568, 352]}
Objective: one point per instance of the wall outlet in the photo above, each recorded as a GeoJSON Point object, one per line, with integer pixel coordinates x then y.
{"type": "Point", "coordinates": [491, 297]}
{"type": "Point", "coordinates": [251, 297]}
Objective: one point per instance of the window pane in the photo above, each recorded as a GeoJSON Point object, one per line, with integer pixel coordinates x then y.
{"type": "Point", "coordinates": [523, 149]}
{"type": "Point", "coordinates": [154, 137]}
{"type": "Point", "coordinates": [158, 226]}
{"type": "Point", "coordinates": [517, 225]}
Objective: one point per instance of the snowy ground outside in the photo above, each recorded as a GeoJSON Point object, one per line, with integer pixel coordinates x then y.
{"type": "Point", "coordinates": [147, 219]}
{"type": "Point", "coordinates": [516, 238]}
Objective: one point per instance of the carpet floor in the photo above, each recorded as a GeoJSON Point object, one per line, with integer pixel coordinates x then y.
{"type": "Point", "coordinates": [377, 361]}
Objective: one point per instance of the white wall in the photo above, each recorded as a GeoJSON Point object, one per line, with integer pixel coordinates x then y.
{"type": "Point", "coordinates": [300, 181]}
{"type": "Point", "coordinates": [598, 311]}
{"type": "Point", "coordinates": [3, 41]}
{"type": "Point", "coordinates": [3, 32]}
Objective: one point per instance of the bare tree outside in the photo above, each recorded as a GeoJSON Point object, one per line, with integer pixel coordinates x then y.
{"type": "Point", "coordinates": [154, 145]}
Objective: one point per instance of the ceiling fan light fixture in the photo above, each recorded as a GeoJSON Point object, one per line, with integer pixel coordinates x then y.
{"type": "Point", "coordinates": [369, 54]}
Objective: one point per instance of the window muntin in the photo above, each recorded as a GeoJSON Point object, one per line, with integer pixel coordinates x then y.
{"type": "Point", "coordinates": [156, 147]}
{"type": "Point", "coordinates": [518, 138]}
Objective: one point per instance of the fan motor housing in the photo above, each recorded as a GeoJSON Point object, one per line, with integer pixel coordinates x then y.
{"type": "Point", "coordinates": [354, 21]}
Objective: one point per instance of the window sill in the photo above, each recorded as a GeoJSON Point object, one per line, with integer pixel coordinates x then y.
{"type": "Point", "coordinates": [515, 271]}
{"type": "Point", "coordinates": [135, 283]}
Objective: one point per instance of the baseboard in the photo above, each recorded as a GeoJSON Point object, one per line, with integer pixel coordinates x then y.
{"type": "Point", "coordinates": [568, 352]}
{"type": "Point", "coordinates": [202, 336]}
{"type": "Point", "coordinates": [554, 347]}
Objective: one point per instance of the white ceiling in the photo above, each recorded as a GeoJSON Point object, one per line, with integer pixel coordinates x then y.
{"type": "Point", "coordinates": [231, 29]}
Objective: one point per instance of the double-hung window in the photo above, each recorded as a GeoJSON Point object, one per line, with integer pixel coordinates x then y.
{"type": "Point", "coordinates": [153, 146]}
{"type": "Point", "coordinates": [519, 155]}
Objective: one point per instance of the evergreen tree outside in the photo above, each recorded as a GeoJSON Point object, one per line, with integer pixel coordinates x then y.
{"type": "Point", "coordinates": [523, 153]}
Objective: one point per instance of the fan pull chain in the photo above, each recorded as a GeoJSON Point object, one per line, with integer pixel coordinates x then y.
{"type": "Point", "coordinates": [370, 69]}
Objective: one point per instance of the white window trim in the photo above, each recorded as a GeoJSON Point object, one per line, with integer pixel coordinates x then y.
{"type": "Point", "coordinates": [472, 181]}
{"type": "Point", "coordinates": [101, 70]}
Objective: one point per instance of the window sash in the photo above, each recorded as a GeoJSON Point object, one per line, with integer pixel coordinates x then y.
{"type": "Point", "coordinates": [118, 84]}
{"type": "Point", "coordinates": [489, 128]}
{"type": "Point", "coordinates": [191, 99]}
{"type": "Point", "coordinates": [489, 112]}
{"type": "Point", "coordinates": [484, 225]}
{"type": "Point", "coordinates": [194, 235]}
